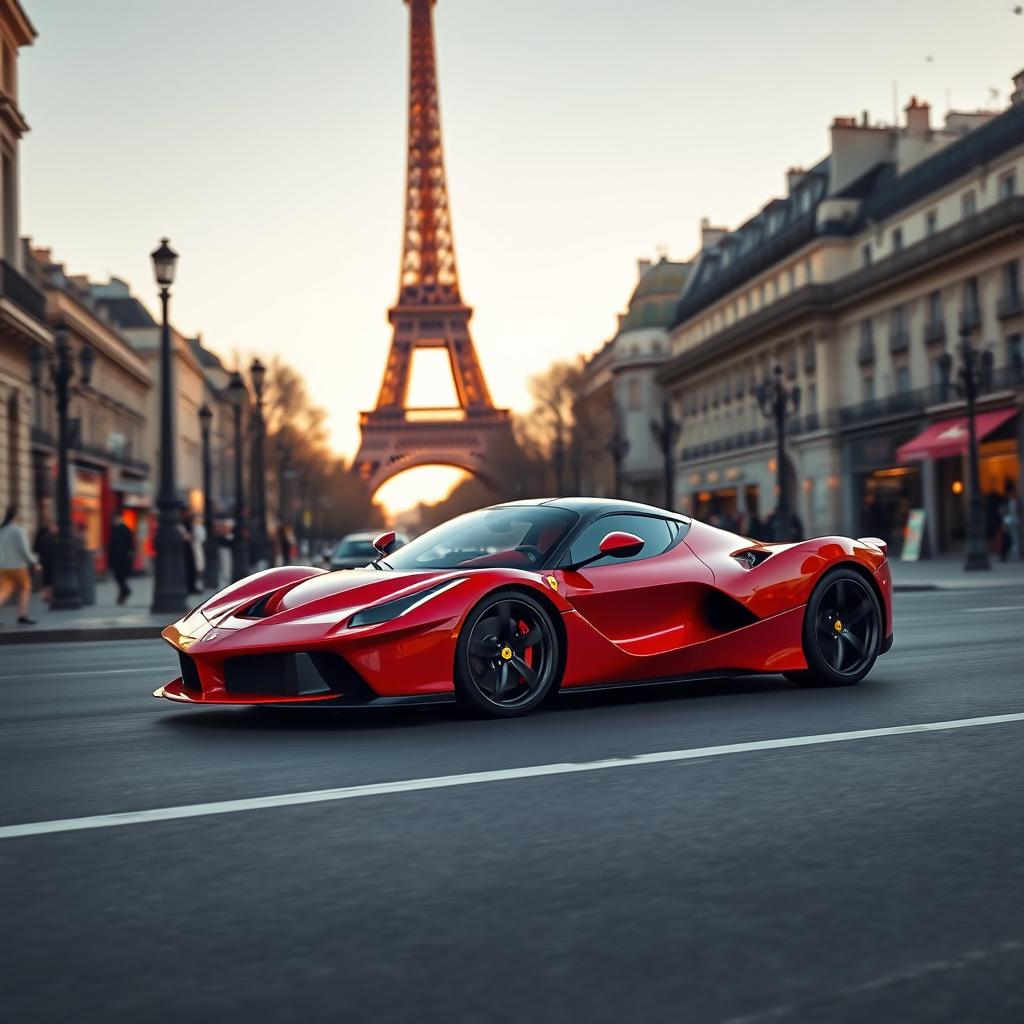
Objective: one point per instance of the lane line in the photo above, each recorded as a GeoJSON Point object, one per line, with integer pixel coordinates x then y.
{"type": "Point", "coordinates": [36, 828]}
{"type": "Point", "coordinates": [998, 608]}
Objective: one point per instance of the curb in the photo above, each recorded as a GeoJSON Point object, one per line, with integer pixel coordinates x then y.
{"type": "Point", "coordinates": [64, 636]}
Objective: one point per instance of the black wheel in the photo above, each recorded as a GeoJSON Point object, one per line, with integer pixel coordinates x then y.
{"type": "Point", "coordinates": [507, 657]}
{"type": "Point", "coordinates": [842, 632]}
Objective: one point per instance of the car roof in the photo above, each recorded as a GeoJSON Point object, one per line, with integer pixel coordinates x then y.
{"type": "Point", "coordinates": [591, 508]}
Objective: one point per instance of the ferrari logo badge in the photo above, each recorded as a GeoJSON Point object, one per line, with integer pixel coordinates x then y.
{"type": "Point", "coordinates": [837, 626]}
{"type": "Point", "coordinates": [506, 653]}
{"type": "Point", "coordinates": [552, 583]}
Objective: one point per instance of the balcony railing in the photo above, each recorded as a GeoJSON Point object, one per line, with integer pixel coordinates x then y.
{"type": "Point", "coordinates": [899, 341]}
{"type": "Point", "coordinates": [16, 288]}
{"type": "Point", "coordinates": [1011, 305]}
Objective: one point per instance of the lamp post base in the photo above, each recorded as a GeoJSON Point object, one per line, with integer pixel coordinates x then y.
{"type": "Point", "coordinates": [169, 566]}
{"type": "Point", "coordinates": [67, 594]}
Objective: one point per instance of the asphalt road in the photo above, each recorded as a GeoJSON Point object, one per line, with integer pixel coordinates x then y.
{"type": "Point", "coordinates": [879, 878]}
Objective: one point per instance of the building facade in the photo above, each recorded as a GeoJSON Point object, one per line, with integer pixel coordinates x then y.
{"type": "Point", "coordinates": [109, 470]}
{"type": "Point", "coordinates": [622, 391]}
{"type": "Point", "coordinates": [22, 310]}
{"type": "Point", "coordinates": [857, 284]}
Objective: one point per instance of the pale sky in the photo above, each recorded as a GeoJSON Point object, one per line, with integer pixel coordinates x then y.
{"type": "Point", "coordinates": [268, 141]}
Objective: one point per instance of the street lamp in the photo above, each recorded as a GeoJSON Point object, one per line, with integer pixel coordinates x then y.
{"type": "Point", "coordinates": [238, 397]}
{"type": "Point", "coordinates": [618, 447]}
{"type": "Point", "coordinates": [211, 553]}
{"type": "Point", "coordinates": [779, 403]}
{"type": "Point", "coordinates": [66, 591]}
{"type": "Point", "coordinates": [666, 432]}
{"type": "Point", "coordinates": [974, 376]}
{"type": "Point", "coordinates": [169, 565]}
{"type": "Point", "coordinates": [258, 375]}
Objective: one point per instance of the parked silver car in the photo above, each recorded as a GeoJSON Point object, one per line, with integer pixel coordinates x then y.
{"type": "Point", "coordinates": [356, 550]}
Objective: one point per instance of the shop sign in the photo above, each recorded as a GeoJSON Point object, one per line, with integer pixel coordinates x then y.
{"type": "Point", "coordinates": [913, 533]}
{"type": "Point", "coordinates": [88, 485]}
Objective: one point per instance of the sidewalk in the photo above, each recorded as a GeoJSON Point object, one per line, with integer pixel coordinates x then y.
{"type": "Point", "coordinates": [104, 620]}
{"type": "Point", "coordinates": [947, 573]}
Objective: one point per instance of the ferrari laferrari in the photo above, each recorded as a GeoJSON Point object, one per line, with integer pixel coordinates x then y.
{"type": "Point", "coordinates": [502, 608]}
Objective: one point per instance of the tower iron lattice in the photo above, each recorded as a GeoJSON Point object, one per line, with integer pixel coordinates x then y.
{"type": "Point", "coordinates": [429, 312]}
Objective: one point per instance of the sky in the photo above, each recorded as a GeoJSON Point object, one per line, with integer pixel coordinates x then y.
{"type": "Point", "coordinates": [267, 140]}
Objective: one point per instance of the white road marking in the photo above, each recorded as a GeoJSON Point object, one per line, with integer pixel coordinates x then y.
{"type": "Point", "coordinates": [38, 828]}
{"type": "Point", "coordinates": [998, 608]}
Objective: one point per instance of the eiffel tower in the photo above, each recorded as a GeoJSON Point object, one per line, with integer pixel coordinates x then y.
{"type": "Point", "coordinates": [429, 312]}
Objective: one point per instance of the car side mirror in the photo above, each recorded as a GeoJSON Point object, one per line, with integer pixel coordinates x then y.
{"type": "Point", "coordinates": [619, 544]}
{"type": "Point", "coordinates": [384, 542]}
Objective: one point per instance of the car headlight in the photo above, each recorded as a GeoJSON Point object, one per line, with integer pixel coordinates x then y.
{"type": "Point", "coordinates": [393, 609]}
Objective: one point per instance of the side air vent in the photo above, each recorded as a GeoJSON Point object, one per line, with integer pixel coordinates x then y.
{"type": "Point", "coordinates": [724, 613]}
{"type": "Point", "coordinates": [751, 558]}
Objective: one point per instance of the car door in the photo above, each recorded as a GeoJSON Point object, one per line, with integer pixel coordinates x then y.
{"type": "Point", "coordinates": [645, 603]}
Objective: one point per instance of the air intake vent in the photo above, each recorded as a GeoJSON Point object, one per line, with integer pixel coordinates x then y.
{"type": "Point", "coordinates": [751, 558]}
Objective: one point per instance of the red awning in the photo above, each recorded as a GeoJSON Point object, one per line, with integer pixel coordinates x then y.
{"type": "Point", "coordinates": [949, 437]}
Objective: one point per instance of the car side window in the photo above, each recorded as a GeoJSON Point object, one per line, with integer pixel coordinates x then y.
{"type": "Point", "coordinates": [654, 532]}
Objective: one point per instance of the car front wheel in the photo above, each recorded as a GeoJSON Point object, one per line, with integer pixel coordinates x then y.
{"type": "Point", "coordinates": [507, 657]}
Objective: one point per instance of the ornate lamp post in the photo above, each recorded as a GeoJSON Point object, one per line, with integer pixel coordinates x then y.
{"type": "Point", "coordinates": [238, 397]}
{"type": "Point", "coordinates": [666, 432]}
{"type": "Point", "coordinates": [974, 376]}
{"type": "Point", "coordinates": [66, 590]}
{"type": "Point", "coordinates": [778, 403]}
{"type": "Point", "coordinates": [211, 553]}
{"type": "Point", "coordinates": [618, 447]}
{"type": "Point", "coordinates": [258, 375]}
{"type": "Point", "coordinates": [169, 566]}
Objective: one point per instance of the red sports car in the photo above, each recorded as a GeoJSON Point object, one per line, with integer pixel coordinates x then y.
{"type": "Point", "coordinates": [502, 607]}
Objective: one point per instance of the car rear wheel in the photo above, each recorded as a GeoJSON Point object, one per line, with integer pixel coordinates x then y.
{"type": "Point", "coordinates": [507, 659]}
{"type": "Point", "coordinates": [842, 631]}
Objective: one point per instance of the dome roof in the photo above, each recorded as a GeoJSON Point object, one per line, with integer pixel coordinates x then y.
{"type": "Point", "coordinates": [654, 299]}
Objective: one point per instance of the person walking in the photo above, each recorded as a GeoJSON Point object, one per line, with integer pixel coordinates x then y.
{"type": "Point", "coordinates": [121, 556]}
{"type": "Point", "coordinates": [46, 539]}
{"type": "Point", "coordinates": [1010, 540]}
{"type": "Point", "coordinates": [15, 562]}
{"type": "Point", "coordinates": [189, 552]}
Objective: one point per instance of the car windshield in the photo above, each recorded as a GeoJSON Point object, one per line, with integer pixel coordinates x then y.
{"type": "Point", "coordinates": [352, 547]}
{"type": "Point", "coordinates": [509, 537]}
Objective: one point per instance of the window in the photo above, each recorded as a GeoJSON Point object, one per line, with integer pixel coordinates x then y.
{"type": "Point", "coordinates": [636, 397]}
{"type": "Point", "coordinates": [868, 389]}
{"type": "Point", "coordinates": [931, 222]}
{"type": "Point", "coordinates": [935, 308]}
{"type": "Point", "coordinates": [1008, 185]}
{"type": "Point", "coordinates": [812, 397]}
{"type": "Point", "coordinates": [791, 276]}
{"type": "Point", "coordinates": [9, 70]}
{"type": "Point", "coordinates": [1015, 356]}
{"type": "Point", "coordinates": [866, 352]}
{"type": "Point", "coordinates": [897, 319]}
{"type": "Point", "coordinates": [865, 254]}
{"type": "Point", "coordinates": [969, 203]}
{"type": "Point", "coordinates": [654, 532]}
{"type": "Point", "coordinates": [10, 209]}
{"type": "Point", "coordinates": [902, 379]}
{"type": "Point", "coordinates": [972, 305]}
{"type": "Point", "coordinates": [897, 239]}
{"type": "Point", "coordinates": [936, 375]}
{"type": "Point", "coordinates": [1011, 280]}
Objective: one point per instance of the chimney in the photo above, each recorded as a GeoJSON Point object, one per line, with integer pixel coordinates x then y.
{"type": "Point", "coordinates": [918, 119]}
{"type": "Point", "coordinates": [793, 178]}
{"type": "Point", "coordinates": [710, 235]}
{"type": "Point", "coordinates": [642, 266]}
{"type": "Point", "coordinates": [1017, 96]}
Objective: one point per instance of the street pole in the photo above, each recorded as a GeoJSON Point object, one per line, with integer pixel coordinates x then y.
{"type": "Point", "coordinates": [239, 543]}
{"type": "Point", "coordinates": [666, 432]}
{"type": "Point", "coordinates": [169, 565]}
{"type": "Point", "coordinates": [257, 373]}
{"type": "Point", "coordinates": [66, 591]}
{"type": "Point", "coordinates": [977, 559]}
{"type": "Point", "coordinates": [211, 551]}
{"type": "Point", "coordinates": [778, 403]}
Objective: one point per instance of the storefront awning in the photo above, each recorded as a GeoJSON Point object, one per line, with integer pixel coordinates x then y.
{"type": "Point", "coordinates": [949, 437]}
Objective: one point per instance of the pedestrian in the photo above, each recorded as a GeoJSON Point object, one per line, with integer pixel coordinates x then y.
{"type": "Point", "coordinates": [15, 562]}
{"type": "Point", "coordinates": [121, 555]}
{"type": "Point", "coordinates": [1010, 511]}
{"type": "Point", "coordinates": [199, 548]}
{"type": "Point", "coordinates": [44, 548]}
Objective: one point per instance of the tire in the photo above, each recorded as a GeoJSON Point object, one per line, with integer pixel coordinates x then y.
{"type": "Point", "coordinates": [842, 631]}
{"type": "Point", "coordinates": [508, 656]}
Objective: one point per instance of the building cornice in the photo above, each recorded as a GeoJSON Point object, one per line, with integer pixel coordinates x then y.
{"type": "Point", "coordinates": [825, 300]}
{"type": "Point", "coordinates": [17, 21]}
